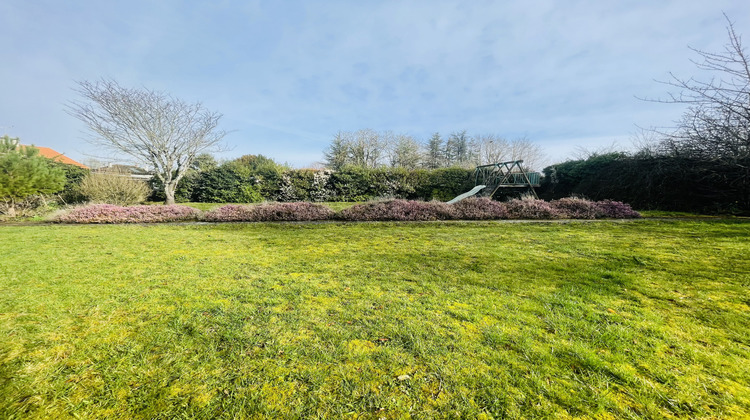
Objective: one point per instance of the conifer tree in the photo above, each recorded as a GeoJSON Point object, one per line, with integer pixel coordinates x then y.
{"type": "Point", "coordinates": [23, 172]}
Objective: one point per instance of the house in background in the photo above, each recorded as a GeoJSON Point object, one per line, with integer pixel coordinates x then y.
{"type": "Point", "coordinates": [132, 171]}
{"type": "Point", "coordinates": [57, 156]}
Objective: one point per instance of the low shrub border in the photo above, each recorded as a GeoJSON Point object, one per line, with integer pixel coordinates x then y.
{"type": "Point", "coordinates": [109, 213]}
{"type": "Point", "coordinates": [397, 210]}
{"type": "Point", "coordinates": [270, 212]}
{"type": "Point", "coordinates": [388, 210]}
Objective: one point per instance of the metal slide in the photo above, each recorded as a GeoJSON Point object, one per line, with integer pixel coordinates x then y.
{"type": "Point", "coordinates": [468, 194]}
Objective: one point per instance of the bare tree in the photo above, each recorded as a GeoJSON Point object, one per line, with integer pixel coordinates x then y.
{"type": "Point", "coordinates": [366, 149]}
{"type": "Point", "coordinates": [712, 140]}
{"type": "Point", "coordinates": [716, 125]}
{"type": "Point", "coordinates": [526, 150]}
{"type": "Point", "coordinates": [404, 152]}
{"type": "Point", "coordinates": [155, 129]}
{"type": "Point", "coordinates": [492, 148]}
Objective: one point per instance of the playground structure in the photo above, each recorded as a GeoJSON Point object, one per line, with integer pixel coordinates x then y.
{"type": "Point", "coordinates": [490, 178]}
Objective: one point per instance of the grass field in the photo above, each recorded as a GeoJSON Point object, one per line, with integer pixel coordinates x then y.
{"type": "Point", "coordinates": [639, 319]}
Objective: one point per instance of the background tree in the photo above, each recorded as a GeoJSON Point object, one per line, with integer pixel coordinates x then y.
{"type": "Point", "coordinates": [404, 152]}
{"type": "Point", "coordinates": [366, 148]}
{"type": "Point", "coordinates": [434, 152]}
{"type": "Point", "coordinates": [337, 154]}
{"type": "Point", "coordinates": [492, 148]}
{"type": "Point", "coordinates": [459, 150]}
{"type": "Point", "coordinates": [23, 172]}
{"type": "Point", "coordinates": [712, 139]}
{"type": "Point", "coordinates": [161, 132]}
{"type": "Point", "coordinates": [526, 150]}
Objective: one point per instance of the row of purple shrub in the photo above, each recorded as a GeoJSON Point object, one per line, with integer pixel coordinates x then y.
{"type": "Point", "coordinates": [270, 212]}
{"type": "Point", "coordinates": [391, 210]}
{"type": "Point", "coordinates": [486, 209]}
{"type": "Point", "coordinates": [109, 213]}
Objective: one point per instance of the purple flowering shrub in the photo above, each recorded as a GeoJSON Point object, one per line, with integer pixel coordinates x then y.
{"type": "Point", "coordinates": [529, 208]}
{"type": "Point", "coordinates": [299, 211]}
{"type": "Point", "coordinates": [398, 210]}
{"type": "Point", "coordinates": [616, 210]}
{"type": "Point", "coordinates": [577, 208]}
{"type": "Point", "coordinates": [270, 212]}
{"type": "Point", "coordinates": [479, 209]}
{"type": "Point", "coordinates": [109, 213]}
{"type": "Point", "coordinates": [229, 213]}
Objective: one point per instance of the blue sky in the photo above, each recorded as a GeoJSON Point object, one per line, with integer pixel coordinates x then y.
{"type": "Point", "coordinates": [287, 75]}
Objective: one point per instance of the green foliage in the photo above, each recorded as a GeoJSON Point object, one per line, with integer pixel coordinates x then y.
{"type": "Point", "coordinates": [256, 178]}
{"type": "Point", "coordinates": [23, 172]}
{"type": "Point", "coordinates": [446, 183]}
{"type": "Point", "coordinates": [70, 193]}
{"type": "Point", "coordinates": [435, 320]}
{"type": "Point", "coordinates": [648, 181]}
{"type": "Point", "coordinates": [228, 183]}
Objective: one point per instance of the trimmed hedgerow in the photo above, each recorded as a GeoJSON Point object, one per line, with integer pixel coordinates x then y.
{"type": "Point", "coordinates": [271, 212]}
{"type": "Point", "coordinates": [108, 213]}
{"type": "Point", "coordinates": [529, 208]}
{"type": "Point", "coordinates": [398, 210]}
{"type": "Point", "coordinates": [577, 208]}
{"type": "Point", "coordinates": [616, 210]}
{"type": "Point", "coordinates": [479, 209]}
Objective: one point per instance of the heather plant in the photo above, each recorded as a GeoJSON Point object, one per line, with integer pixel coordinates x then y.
{"type": "Point", "coordinates": [616, 210]}
{"type": "Point", "coordinates": [292, 212]}
{"type": "Point", "coordinates": [113, 187]}
{"type": "Point", "coordinates": [398, 210]}
{"type": "Point", "coordinates": [479, 209]}
{"type": "Point", "coordinates": [109, 213]}
{"type": "Point", "coordinates": [230, 213]}
{"type": "Point", "coordinates": [270, 212]}
{"type": "Point", "coordinates": [578, 208]}
{"type": "Point", "coordinates": [530, 208]}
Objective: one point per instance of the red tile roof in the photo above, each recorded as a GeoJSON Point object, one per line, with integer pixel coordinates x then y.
{"type": "Point", "coordinates": [58, 157]}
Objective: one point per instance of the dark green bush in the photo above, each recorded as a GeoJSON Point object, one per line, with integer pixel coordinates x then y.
{"type": "Point", "coordinates": [228, 183]}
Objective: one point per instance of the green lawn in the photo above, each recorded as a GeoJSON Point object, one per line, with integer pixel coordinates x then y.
{"type": "Point", "coordinates": [639, 319]}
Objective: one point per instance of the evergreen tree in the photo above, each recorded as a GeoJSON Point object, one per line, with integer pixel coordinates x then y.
{"type": "Point", "coordinates": [435, 155]}
{"type": "Point", "coordinates": [337, 154]}
{"type": "Point", "coordinates": [23, 172]}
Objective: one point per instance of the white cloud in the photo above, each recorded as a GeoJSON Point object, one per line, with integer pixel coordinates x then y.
{"type": "Point", "coordinates": [289, 74]}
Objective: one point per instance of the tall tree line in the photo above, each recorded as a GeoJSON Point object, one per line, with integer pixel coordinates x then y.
{"type": "Point", "coordinates": [371, 149]}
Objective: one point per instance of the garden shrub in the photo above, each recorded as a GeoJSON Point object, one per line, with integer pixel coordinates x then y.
{"type": "Point", "coordinates": [270, 212]}
{"type": "Point", "coordinates": [113, 187]}
{"type": "Point", "coordinates": [446, 183]}
{"type": "Point", "coordinates": [108, 213]}
{"type": "Point", "coordinates": [228, 183]}
{"type": "Point", "coordinates": [529, 208]}
{"type": "Point", "coordinates": [479, 209]}
{"type": "Point", "coordinates": [351, 184]}
{"type": "Point", "coordinates": [71, 193]}
{"type": "Point", "coordinates": [296, 212]}
{"type": "Point", "coordinates": [616, 210]}
{"type": "Point", "coordinates": [398, 210]}
{"type": "Point", "coordinates": [577, 208]}
{"type": "Point", "coordinates": [31, 206]}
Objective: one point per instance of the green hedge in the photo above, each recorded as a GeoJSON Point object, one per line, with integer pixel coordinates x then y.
{"type": "Point", "coordinates": [652, 182]}
{"type": "Point", "coordinates": [235, 182]}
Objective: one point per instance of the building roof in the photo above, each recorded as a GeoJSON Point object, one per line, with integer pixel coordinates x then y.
{"type": "Point", "coordinates": [57, 156]}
